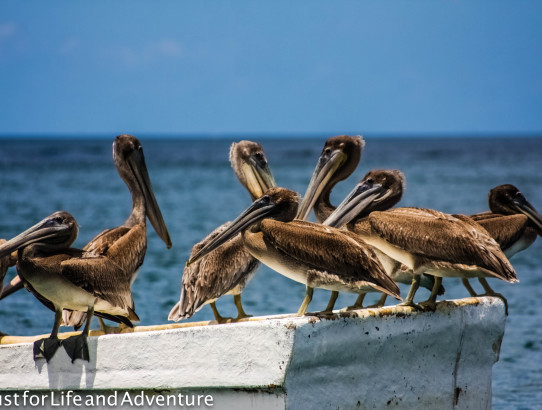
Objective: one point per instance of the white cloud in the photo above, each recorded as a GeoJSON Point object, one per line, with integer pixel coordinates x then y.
{"type": "Point", "coordinates": [150, 52]}
{"type": "Point", "coordinates": [168, 48]}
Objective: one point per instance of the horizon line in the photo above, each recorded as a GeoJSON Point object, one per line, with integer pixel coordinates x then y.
{"type": "Point", "coordinates": [268, 135]}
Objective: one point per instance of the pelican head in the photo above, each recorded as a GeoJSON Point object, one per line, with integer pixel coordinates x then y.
{"type": "Point", "coordinates": [57, 231]}
{"type": "Point", "coordinates": [250, 165]}
{"type": "Point", "coordinates": [276, 203]}
{"type": "Point", "coordinates": [379, 190]}
{"type": "Point", "coordinates": [130, 163]}
{"type": "Point", "coordinates": [508, 200]}
{"type": "Point", "coordinates": [338, 160]}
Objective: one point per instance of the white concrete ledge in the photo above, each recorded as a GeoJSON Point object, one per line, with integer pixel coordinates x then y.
{"type": "Point", "coordinates": [370, 358]}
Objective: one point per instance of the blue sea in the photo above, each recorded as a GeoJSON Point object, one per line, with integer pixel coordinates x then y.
{"type": "Point", "coordinates": [197, 191]}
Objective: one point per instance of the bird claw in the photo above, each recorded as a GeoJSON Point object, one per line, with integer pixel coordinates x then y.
{"type": "Point", "coordinates": [321, 314]}
{"type": "Point", "coordinates": [46, 348]}
{"type": "Point", "coordinates": [221, 320]}
{"type": "Point", "coordinates": [429, 305]}
{"type": "Point", "coordinates": [239, 317]}
{"type": "Point", "coordinates": [77, 347]}
{"type": "Point", "coordinates": [351, 308]}
{"type": "Point", "coordinates": [412, 305]}
{"type": "Point", "coordinates": [375, 306]}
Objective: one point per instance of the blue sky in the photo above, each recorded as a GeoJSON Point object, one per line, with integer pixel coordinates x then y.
{"type": "Point", "coordinates": [270, 67]}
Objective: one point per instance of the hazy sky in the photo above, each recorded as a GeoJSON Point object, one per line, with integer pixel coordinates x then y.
{"type": "Point", "coordinates": [272, 67]}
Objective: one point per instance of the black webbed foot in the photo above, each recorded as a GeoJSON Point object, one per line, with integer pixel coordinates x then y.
{"type": "Point", "coordinates": [429, 305]}
{"type": "Point", "coordinates": [46, 348]}
{"type": "Point", "coordinates": [77, 347]}
{"type": "Point", "coordinates": [412, 305]}
{"type": "Point", "coordinates": [322, 314]}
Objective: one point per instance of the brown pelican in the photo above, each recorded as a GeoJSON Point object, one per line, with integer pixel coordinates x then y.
{"type": "Point", "coordinates": [512, 221]}
{"type": "Point", "coordinates": [304, 251]}
{"type": "Point", "coordinates": [379, 190]}
{"type": "Point", "coordinates": [227, 269]}
{"type": "Point", "coordinates": [428, 241]}
{"type": "Point", "coordinates": [338, 159]}
{"type": "Point", "coordinates": [65, 278]}
{"type": "Point", "coordinates": [126, 245]}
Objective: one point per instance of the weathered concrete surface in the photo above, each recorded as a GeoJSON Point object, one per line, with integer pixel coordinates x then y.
{"type": "Point", "coordinates": [372, 358]}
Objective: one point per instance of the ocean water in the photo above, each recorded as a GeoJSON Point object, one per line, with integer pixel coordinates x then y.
{"type": "Point", "coordinates": [197, 191]}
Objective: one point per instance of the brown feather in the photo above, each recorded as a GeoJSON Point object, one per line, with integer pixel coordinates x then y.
{"type": "Point", "coordinates": [100, 277]}
{"type": "Point", "coordinates": [427, 233]}
{"type": "Point", "coordinates": [329, 251]}
{"type": "Point", "coordinates": [505, 229]}
{"type": "Point", "coordinates": [124, 247]}
{"type": "Point", "coordinates": [217, 273]}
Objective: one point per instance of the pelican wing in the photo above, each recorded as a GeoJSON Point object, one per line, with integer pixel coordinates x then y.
{"type": "Point", "coordinates": [101, 243]}
{"type": "Point", "coordinates": [505, 229]}
{"type": "Point", "coordinates": [439, 236]}
{"type": "Point", "coordinates": [100, 277]}
{"type": "Point", "coordinates": [125, 246]}
{"type": "Point", "coordinates": [483, 215]}
{"type": "Point", "coordinates": [326, 249]}
{"type": "Point", "coordinates": [215, 274]}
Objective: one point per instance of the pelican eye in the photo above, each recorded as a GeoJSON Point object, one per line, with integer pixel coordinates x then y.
{"type": "Point", "coordinates": [327, 151]}
{"type": "Point", "coordinates": [371, 181]}
{"type": "Point", "coordinates": [260, 157]}
{"type": "Point", "coordinates": [58, 220]}
{"type": "Point", "coordinates": [265, 200]}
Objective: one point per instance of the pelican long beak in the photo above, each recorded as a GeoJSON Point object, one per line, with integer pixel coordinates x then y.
{"type": "Point", "coordinates": [258, 176]}
{"type": "Point", "coordinates": [139, 169]}
{"type": "Point", "coordinates": [47, 229]}
{"type": "Point", "coordinates": [254, 213]}
{"type": "Point", "coordinates": [523, 206]}
{"type": "Point", "coordinates": [358, 200]}
{"type": "Point", "coordinates": [328, 163]}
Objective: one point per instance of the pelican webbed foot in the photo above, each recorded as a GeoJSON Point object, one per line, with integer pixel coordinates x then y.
{"type": "Point", "coordinates": [491, 292]}
{"type": "Point", "coordinates": [328, 311]}
{"type": "Point", "coordinates": [428, 305]}
{"type": "Point", "coordinates": [111, 330]}
{"type": "Point", "coordinates": [46, 348]}
{"type": "Point", "coordinates": [411, 304]}
{"type": "Point", "coordinates": [241, 314]}
{"type": "Point", "coordinates": [322, 314]}
{"type": "Point", "coordinates": [218, 318]}
{"type": "Point", "coordinates": [77, 347]}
